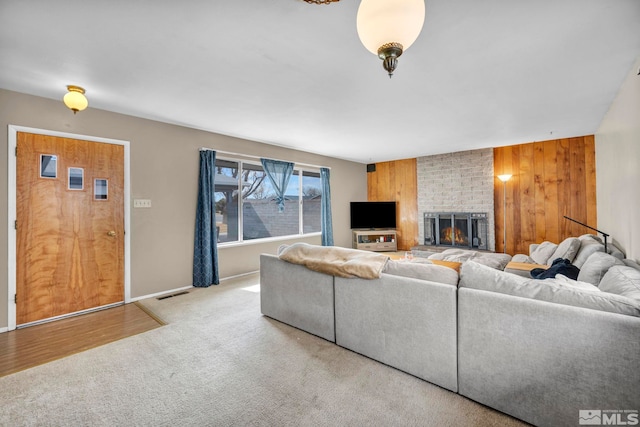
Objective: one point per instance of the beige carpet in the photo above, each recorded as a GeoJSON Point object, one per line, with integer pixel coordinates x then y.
{"type": "Point", "coordinates": [219, 362]}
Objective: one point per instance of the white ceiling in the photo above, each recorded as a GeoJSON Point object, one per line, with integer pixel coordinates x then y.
{"type": "Point", "coordinates": [284, 72]}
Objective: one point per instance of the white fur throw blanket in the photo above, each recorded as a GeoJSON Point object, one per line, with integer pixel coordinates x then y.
{"type": "Point", "coordinates": [334, 260]}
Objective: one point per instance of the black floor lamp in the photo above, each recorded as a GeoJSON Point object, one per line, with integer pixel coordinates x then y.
{"type": "Point", "coordinates": [605, 235]}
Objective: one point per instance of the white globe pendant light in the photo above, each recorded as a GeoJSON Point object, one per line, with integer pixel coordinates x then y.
{"type": "Point", "coordinates": [75, 99]}
{"type": "Point", "coordinates": [389, 27]}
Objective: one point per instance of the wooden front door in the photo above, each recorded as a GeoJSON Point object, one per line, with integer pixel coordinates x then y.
{"type": "Point", "coordinates": [70, 226]}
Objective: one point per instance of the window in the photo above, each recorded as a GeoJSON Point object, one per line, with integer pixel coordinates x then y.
{"type": "Point", "coordinates": [100, 189]}
{"type": "Point", "coordinates": [311, 202]}
{"type": "Point", "coordinates": [76, 179]}
{"type": "Point", "coordinates": [48, 166]}
{"type": "Point", "coordinates": [247, 207]}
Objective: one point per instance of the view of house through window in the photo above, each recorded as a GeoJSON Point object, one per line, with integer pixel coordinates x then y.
{"type": "Point", "coordinates": [247, 206]}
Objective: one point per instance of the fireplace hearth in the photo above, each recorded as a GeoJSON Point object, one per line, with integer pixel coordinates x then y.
{"type": "Point", "coordinates": [456, 229]}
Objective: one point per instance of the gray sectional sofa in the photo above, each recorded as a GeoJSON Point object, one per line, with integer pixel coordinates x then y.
{"type": "Point", "coordinates": [401, 321]}
{"type": "Point", "coordinates": [540, 351]}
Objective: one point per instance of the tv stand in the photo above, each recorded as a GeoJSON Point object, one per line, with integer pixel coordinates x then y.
{"type": "Point", "coordinates": [382, 240]}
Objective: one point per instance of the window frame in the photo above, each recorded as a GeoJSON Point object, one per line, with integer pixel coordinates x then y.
{"type": "Point", "coordinates": [298, 172]}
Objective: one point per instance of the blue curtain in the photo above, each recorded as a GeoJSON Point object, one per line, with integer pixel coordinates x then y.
{"type": "Point", "coordinates": [327, 226]}
{"type": "Point", "coordinates": [279, 173]}
{"type": "Point", "coordinates": [205, 251]}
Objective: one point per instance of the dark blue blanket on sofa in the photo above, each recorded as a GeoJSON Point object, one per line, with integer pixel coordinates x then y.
{"type": "Point", "coordinates": [559, 266]}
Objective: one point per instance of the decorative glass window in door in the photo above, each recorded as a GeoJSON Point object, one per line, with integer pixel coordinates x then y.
{"type": "Point", "coordinates": [100, 189]}
{"type": "Point", "coordinates": [76, 178]}
{"type": "Point", "coordinates": [48, 166]}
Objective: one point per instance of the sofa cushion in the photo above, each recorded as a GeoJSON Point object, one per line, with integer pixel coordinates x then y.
{"type": "Point", "coordinates": [631, 263]}
{"type": "Point", "coordinates": [615, 251]}
{"type": "Point", "coordinates": [590, 236]}
{"type": "Point", "coordinates": [424, 271]}
{"type": "Point", "coordinates": [474, 275]}
{"type": "Point", "coordinates": [543, 252]}
{"type": "Point", "coordinates": [594, 269]}
{"type": "Point", "coordinates": [455, 255]}
{"type": "Point", "coordinates": [622, 280]}
{"type": "Point", "coordinates": [478, 276]}
{"type": "Point", "coordinates": [587, 248]}
{"type": "Point", "coordinates": [491, 259]}
{"type": "Point", "coordinates": [523, 258]}
{"type": "Point", "coordinates": [563, 280]}
{"type": "Point", "coordinates": [566, 250]}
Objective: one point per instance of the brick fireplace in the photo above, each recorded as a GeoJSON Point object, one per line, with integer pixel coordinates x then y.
{"type": "Point", "coordinates": [460, 183]}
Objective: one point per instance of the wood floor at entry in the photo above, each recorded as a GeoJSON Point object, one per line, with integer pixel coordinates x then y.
{"type": "Point", "coordinates": [25, 348]}
{"type": "Point", "coordinates": [70, 226]}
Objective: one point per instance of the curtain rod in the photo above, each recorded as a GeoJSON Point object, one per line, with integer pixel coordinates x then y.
{"type": "Point", "coordinates": [258, 157]}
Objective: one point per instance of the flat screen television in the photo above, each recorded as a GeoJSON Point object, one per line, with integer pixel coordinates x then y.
{"type": "Point", "coordinates": [371, 215]}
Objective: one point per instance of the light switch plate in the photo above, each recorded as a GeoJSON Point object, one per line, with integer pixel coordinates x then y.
{"type": "Point", "coordinates": [141, 203]}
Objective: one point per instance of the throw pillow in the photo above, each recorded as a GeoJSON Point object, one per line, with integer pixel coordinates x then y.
{"type": "Point", "coordinates": [543, 252]}
{"type": "Point", "coordinates": [622, 280]}
{"type": "Point", "coordinates": [566, 250]}
{"type": "Point", "coordinates": [594, 269]}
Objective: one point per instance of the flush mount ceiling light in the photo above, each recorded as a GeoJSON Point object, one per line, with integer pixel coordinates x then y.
{"type": "Point", "coordinates": [388, 27]}
{"type": "Point", "coordinates": [75, 99]}
{"type": "Point", "coordinates": [321, 1]}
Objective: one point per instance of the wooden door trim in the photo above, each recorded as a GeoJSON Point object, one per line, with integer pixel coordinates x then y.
{"type": "Point", "coordinates": [12, 203]}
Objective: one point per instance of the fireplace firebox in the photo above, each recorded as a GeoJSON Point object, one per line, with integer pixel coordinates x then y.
{"type": "Point", "coordinates": [457, 229]}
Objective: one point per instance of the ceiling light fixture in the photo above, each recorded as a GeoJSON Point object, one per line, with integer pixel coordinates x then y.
{"type": "Point", "coordinates": [388, 27]}
{"type": "Point", "coordinates": [321, 1]}
{"type": "Point", "coordinates": [75, 99]}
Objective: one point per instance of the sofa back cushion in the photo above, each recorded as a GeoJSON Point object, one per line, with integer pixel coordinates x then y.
{"type": "Point", "coordinates": [587, 248]}
{"type": "Point", "coordinates": [423, 271]}
{"type": "Point", "coordinates": [473, 275]}
{"type": "Point", "coordinates": [594, 269]}
{"type": "Point", "coordinates": [566, 250]}
{"type": "Point", "coordinates": [615, 251]}
{"type": "Point", "coordinates": [622, 280]}
{"type": "Point", "coordinates": [543, 252]}
{"type": "Point", "coordinates": [631, 263]}
{"type": "Point", "coordinates": [590, 236]}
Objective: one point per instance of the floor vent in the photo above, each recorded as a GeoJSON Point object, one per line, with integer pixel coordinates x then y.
{"type": "Point", "coordinates": [172, 295]}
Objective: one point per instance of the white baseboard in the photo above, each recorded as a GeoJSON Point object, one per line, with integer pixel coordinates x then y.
{"type": "Point", "coordinates": [157, 294]}
{"type": "Point", "coordinates": [171, 291]}
{"type": "Point", "coordinates": [239, 275]}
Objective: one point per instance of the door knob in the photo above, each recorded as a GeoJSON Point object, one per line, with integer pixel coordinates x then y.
{"type": "Point", "coordinates": [111, 234]}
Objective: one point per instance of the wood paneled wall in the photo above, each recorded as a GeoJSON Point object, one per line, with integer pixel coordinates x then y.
{"type": "Point", "coordinates": [397, 181]}
{"type": "Point", "coordinates": [550, 179]}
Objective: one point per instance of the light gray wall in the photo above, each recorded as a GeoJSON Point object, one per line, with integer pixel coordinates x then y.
{"type": "Point", "coordinates": [164, 168]}
{"type": "Point", "coordinates": [618, 167]}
